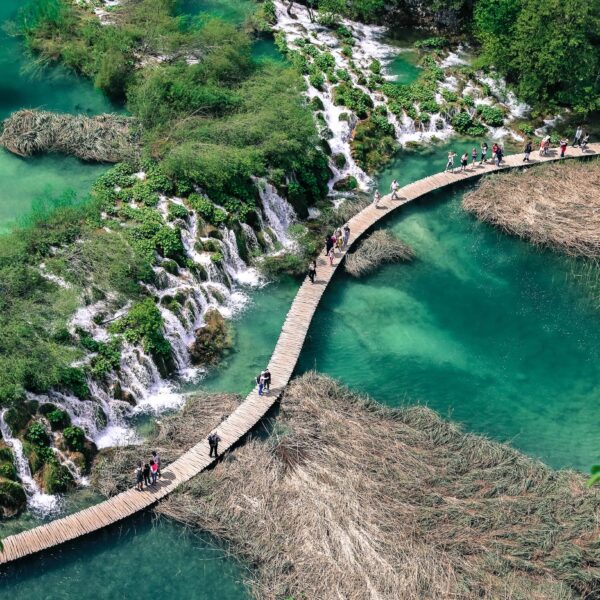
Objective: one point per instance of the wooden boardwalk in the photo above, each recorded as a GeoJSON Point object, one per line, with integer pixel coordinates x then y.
{"type": "Point", "coordinates": [253, 409]}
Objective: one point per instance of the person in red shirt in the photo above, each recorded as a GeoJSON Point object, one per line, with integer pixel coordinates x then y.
{"type": "Point", "coordinates": [563, 147]}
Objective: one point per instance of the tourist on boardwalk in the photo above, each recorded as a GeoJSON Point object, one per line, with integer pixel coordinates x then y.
{"type": "Point", "coordinates": [146, 474]}
{"type": "Point", "coordinates": [340, 239]}
{"type": "Point", "coordinates": [213, 442]}
{"type": "Point", "coordinates": [331, 256]}
{"type": "Point", "coordinates": [139, 477]}
{"type": "Point", "coordinates": [584, 142]}
{"type": "Point", "coordinates": [346, 235]}
{"type": "Point", "coordinates": [545, 146]}
{"type": "Point", "coordinates": [376, 198]}
{"type": "Point", "coordinates": [563, 147]}
{"type": "Point", "coordinates": [266, 375]}
{"type": "Point", "coordinates": [464, 161]}
{"type": "Point", "coordinates": [153, 472]}
{"type": "Point", "coordinates": [450, 163]}
{"type": "Point", "coordinates": [260, 380]}
{"type": "Point", "coordinates": [494, 150]}
{"type": "Point", "coordinates": [394, 188]}
{"type": "Point", "coordinates": [156, 459]}
{"type": "Point", "coordinates": [499, 155]}
{"type": "Point", "coordinates": [328, 244]}
{"type": "Point", "coordinates": [578, 136]}
{"type": "Point", "coordinates": [527, 151]}
{"type": "Point", "coordinates": [542, 147]}
{"type": "Point", "coordinates": [473, 156]}
{"type": "Point", "coordinates": [312, 271]}
{"type": "Point", "coordinates": [484, 151]}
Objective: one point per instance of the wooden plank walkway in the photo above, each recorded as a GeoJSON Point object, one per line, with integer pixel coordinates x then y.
{"type": "Point", "coordinates": [254, 407]}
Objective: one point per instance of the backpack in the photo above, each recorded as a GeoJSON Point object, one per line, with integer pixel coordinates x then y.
{"type": "Point", "coordinates": [212, 438]}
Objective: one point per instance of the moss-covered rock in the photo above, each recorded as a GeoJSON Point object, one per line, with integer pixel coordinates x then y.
{"type": "Point", "coordinates": [56, 478]}
{"type": "Point", "coordinates": [211, 340]}
{"type": "Point", "coordinates": [12, 498]}
{"type": "Point", "coordinates": [346, 184]}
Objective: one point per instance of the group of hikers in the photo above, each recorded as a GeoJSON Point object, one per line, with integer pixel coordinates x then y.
{"type": "Point", "coordinates": [497, 157]}
{"type": "Point", "coordinates": [580, 139]}
{"type": "Point", "coordinates": [337, 240]}
{"type": "Point", "coordinates": [147, 473]}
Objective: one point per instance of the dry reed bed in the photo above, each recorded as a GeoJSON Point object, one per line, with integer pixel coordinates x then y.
{"type": "Point", "coordinates": [379, 248]}
{"type": "Point", "coordinates": [554, 205]}
{"type": "Point", "coordinates": [104, 138]}
{"type": "Point", "coordinates": [348, 499]}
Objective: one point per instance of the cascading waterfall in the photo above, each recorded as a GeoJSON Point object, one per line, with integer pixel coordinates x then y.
{"type": "Point", "coordinates": [278, 212]}
{"type": "Point", "coordinates": [64, 460]}
{"type": "Point", "coordinates": [37, 501]}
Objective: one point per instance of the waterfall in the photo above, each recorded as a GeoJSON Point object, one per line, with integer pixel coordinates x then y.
{"type": "Point", "coordinates": [278, 212]}
{"type": "Point", "coordinates": [72, 468]}
{"type": "Point", "coordinates": [37, 501]}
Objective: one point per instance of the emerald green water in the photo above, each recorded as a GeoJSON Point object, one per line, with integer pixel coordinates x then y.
{"type": "Point", "coordinates": [232, 11]}
{"type": "Point", "coordinates": [138, 559]}
{"type": "Point", "coordinates": [52, 88]}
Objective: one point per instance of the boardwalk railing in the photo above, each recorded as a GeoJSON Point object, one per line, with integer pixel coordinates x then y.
{"type": "Point", "coordinates": [254, 407]}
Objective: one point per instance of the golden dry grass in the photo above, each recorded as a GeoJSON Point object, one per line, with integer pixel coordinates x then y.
{"type": "Point", "coordinates": [105, 138]}
{"type": "Point", "coordinates": [378, 248]}
{"type": "Point", "coordinates": [347, 499]}
{"type": "Point", "coordinates": [554, 205]}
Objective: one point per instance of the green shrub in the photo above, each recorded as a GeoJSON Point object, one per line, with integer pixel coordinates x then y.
{"type": "Point", "coordinates": [107, 359]}
{"type": "Point", "coordinates": [468, 100]}
{"type": "Point", "coordinates": [12, 496]}
{"type": "Point", "coordinates": [354, 98]}
{"type": "Point", "coordinates": [449, 95]}
{"type": "Point", "coordinates": [58, 419]}
{"type": "Point", "coordinates": [316, 103]}
{"type": "Point", "coordinates": [432, 43]}
{"type": "Point", "coordinates": [325, 61]}
{"type": "Point", "coordinates": [143, 325]}
{"type": "Point", "coordinates": [36, 434]}
{"type": "Point", "coordinates": [56, 478]}
{"type": "Point", "coordinates": [491, 115]}
{"type": "Point", "coordinates": [177, 211]}
{"type": "Point", "coordinates": [317, 80]}
{"type": "Point", "coordinates": [74, 438]}
{"type": "Point", "coordinates": [8, 471]}
{"type": "Point", "coordinates": [375, 66]}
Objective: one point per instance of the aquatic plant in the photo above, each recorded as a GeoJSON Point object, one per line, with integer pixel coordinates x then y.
{"type": "Point", "coordinates": [555, 206]}
{"type": "Point", "coordinates": [379, 248]}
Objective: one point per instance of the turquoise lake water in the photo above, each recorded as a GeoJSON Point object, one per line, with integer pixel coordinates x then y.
{"type": "Point", "coordinates": [481, 327]}
{"type": "Point", "coordinates": [23, 85]}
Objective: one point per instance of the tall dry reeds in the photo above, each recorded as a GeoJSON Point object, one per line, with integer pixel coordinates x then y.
{"type": "Point", "coordinates": [104, 138]}
{"type": "Point", "coordinates": [349, 499]}
{"type": "Point", "coordinates": [379, 248]}
{"type": "Point", "coordinates": [553, 205]}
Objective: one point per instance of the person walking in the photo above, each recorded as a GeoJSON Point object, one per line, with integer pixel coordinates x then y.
{"type": "Point", "coordinates": [584, 142]}
{"type": "Point", "coordinates": [394, 188]}
{"type": "Point", "coordinates": [563, 147]}
{"type": "Point", "coordinates": [267, 379]}
{"type": "Point", "coordinates": [156, 459]}
{"type": "Point", "coordinates": [328, 244]}
{"type": "Point", "coordinates": [331, 257]}
{"type": "Point", "coordinates": [464, 161]}
{"type": "Point", "coordinates": [546, 145]}
{"type": "Point", "coordinates": [484, 151]}
{"type": "Point", "coordinates": [542, 147]}
{"type": "Point", "coordinates": [494, 150]}
{"type": "Point", "coordinates": [527, 151]}
{"type": "Point", "coordinates": [213, 442]}
{"type": "Point", "coordinates": [139, 477]}
{"type": "Point", "coordinates": [376, 198]}
{"type": "Point", "coordinates": [346, 235]}
{"type": "Point", "coordinates": [312, 271]}
{"type": "Point", "coordinates": [260, 379]}
{"type": "Point", "coordinates": [340, 240]}
{"type": "Point", "coordinates": [499, 155]}
{"type": "Point", "coordinates": [473, 157]}
{"type": "Point", "coordinates": [153, 472]}
{"type": "Point", "coordinates": [450, 163]}
{"type": "Point", "coordinates": [578, 136]}
{"type": "Point", "coordinates": [146, 474]}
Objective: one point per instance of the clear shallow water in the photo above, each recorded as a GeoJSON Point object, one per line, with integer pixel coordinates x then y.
{"type": "Point", "coordinates": [232, 11]}
{"type": "Point", "coordinates": [138, 559]}
{"type": "Point", "coordinates": [52, 88]}
{"type": "Point", "coordinates": [481, 327]}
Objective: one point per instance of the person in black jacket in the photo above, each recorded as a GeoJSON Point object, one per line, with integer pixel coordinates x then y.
{"type": "Point", "coordinates": [213, 442]}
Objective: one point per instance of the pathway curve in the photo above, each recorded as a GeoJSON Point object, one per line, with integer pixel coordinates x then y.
{"type": "Point", "coordinates": [254, 408]}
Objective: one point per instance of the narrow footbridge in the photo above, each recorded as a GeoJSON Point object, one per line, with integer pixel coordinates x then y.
{"type": "Point", "coordinates": [254, 407]}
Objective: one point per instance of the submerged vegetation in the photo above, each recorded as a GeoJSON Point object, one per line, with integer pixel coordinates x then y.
{"type": "Point", "coordinates": [379, 248]}
{"type": "Point", "coordinates": [554, 205]}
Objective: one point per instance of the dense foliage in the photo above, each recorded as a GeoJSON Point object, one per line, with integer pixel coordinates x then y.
{"type": "Point", "coordinates": [550, 49]}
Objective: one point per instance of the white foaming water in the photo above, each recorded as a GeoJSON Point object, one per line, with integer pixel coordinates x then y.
{"type": "Point", "coordinates": [516, 109]}
{"type": "Point", "coordinates": [37, 501]}
{"type": "Point", "coordinates": [72, 468]}
{"type": "Point", "coordinates": [278, 212]}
